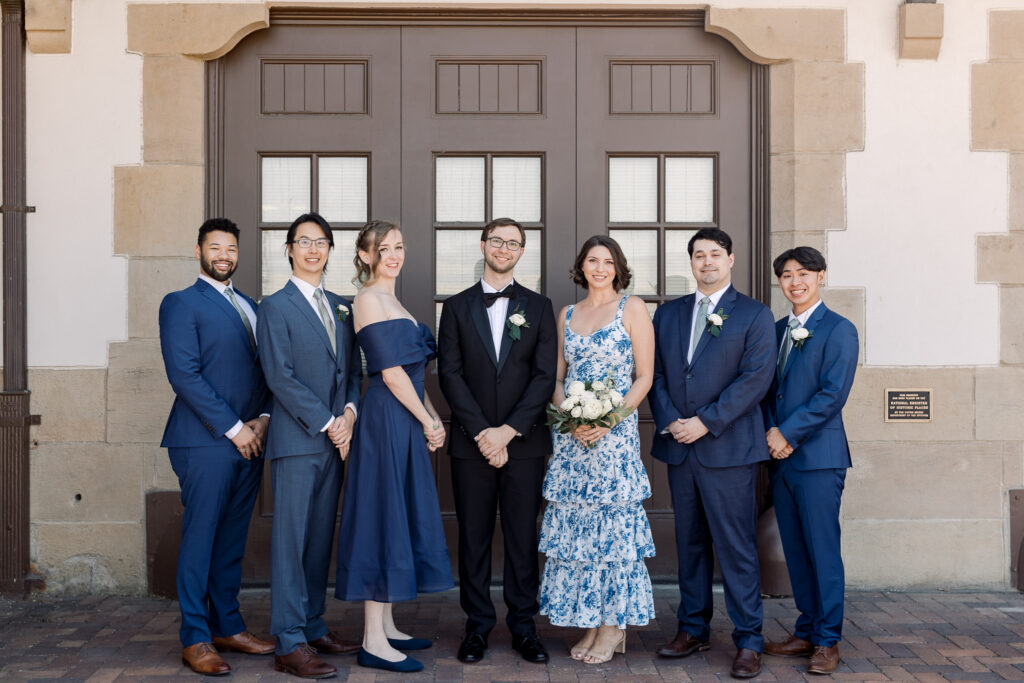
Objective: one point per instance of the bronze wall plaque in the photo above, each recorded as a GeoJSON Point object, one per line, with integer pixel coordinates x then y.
{"type": "Point", "coordinates": [908, 405]}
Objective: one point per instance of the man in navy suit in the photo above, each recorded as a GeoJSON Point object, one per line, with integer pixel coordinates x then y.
{"type": "Point", "coordinates": [714, 359]}
{"type": "Point", "coordinates": [803, 416]}
{"type": "Point", "coordinates": [214, 436]}
{"type": "Point", "coordinates": [313, 367]}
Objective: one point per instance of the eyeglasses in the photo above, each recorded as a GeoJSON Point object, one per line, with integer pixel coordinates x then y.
{"type": "Point", "coordinates": [498, 243]}
{"type": "Point", "coordinates": [306, 243]}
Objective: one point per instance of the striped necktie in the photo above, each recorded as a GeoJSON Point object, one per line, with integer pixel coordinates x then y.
{"type": "Point", "coordinates": [325, 315]}
{"type": "Point", "coordinates": [230, 293]}
{"type": "Point", "coordinates": [787, 343]}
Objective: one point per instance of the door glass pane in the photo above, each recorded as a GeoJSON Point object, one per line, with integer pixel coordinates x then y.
{"type": "Point", "coordinates": [679, 278]}
{"type": "Point", "coordinates": [641, 250]}
{"type": "Point", "coordinates": [276, 271]}
{"type": "Point", "coordinates": [340, 270]}
{"type": "Point", "coordinates": [342, 189]}
{"type": "Point", "coordinates": [285, 188]}
{"type": "Point", "coordinates": [516, 192]}
{"type": "Point", "coordinates": [459, 263]}
{"type": "Point", "coordinates": [689, 189]}
{"type": "Point", "coordinates": [459, 187]}
{"type": "Point", "coordinates": [633, 189]}
{"type": "Point", "coordinates": [273, 261]}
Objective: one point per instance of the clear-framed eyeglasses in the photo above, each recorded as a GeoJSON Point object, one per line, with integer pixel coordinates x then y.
{"type": "Point", "coordinates": [306, 243]}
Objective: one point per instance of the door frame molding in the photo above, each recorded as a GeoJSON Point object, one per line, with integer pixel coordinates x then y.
{"type": "Point", "coordinates": [759, 225]}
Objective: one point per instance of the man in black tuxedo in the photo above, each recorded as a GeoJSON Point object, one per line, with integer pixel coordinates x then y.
{"type": "Point", "coordinates": [496, 362]}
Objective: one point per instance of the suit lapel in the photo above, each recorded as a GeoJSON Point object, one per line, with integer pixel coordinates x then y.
{"type": "Point", "coordinates": [794, 352]}
{"type": "Point", "coordinates": [518, 304]}
{"type": "Point", "coordinates": [478, 309]}
{"type": "Point", "coordinates": [340, 330]}
{"type": "Point", "coordinates": [725, 304]}
{"type": "Point", "coordinates": [221, 302]}
{"type": "Point", "coordinates": [685, 328]}
{"type": "Point", "coordinates": [306, 311]}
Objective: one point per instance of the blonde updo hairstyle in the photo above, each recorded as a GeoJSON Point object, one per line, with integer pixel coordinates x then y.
{"type": "Point", "coordinates": [369, 239]}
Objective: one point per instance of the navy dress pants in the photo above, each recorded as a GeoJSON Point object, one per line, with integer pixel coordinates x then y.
{"type": "Point", "coordinates": [306, 490]}
{"type": "Point", "coordinates": [807, 509]}
{"type": "Point", "coordinates": [716, 508]}
{"type": "Point", "coordinates": [218, 489]}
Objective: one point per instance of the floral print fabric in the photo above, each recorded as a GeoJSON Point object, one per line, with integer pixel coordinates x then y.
{"type": "Point", "coordinates": [595, 532]}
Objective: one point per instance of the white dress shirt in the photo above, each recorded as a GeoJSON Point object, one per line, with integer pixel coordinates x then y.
{"type": "Point", "coordinates": [223, 287]}
{"type": "Point", "coordinates": [803, 318]}
{"type": "Point", "coordinates": [715, 298]}
{"type": "Point", "coordinates": [308, 291]}
{"type": "Point", "coordinates": [497, 314]}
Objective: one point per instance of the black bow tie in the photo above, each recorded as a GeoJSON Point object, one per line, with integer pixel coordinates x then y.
{"type": "Point", "coordinates": [491, 297]}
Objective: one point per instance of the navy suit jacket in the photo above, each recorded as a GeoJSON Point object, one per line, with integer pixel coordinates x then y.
{"type": "Point", "coordinates": [311, 383]}
{"type": "Point", "coordinates": [487, 390]}
{"type": "Point", "coordinates": [807, 396]}
{"type": "Point", "coordinates": [723, 384]}
{"type": "Point", "coordinates": [212, 367]}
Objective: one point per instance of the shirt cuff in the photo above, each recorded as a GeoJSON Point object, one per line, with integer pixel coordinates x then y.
{"type": "Point", "coordinates": [266, 415]}
{"type": "Point", "coordinates": [353, 407]}
{"type": "Point", "coordinates": [329, 423]}
{"type": "Point", "coordinates": [233, 432]}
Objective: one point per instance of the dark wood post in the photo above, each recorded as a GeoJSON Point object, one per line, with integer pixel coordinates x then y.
{"type": "Point", "coordinates": [14, 399]}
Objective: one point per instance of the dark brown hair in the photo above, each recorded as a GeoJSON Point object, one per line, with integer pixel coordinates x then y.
{"type": "Point", "coordinates": [622, 274]}
{"type": "Point", "coordinates": [809, 258]}
{"type": "Point", "coordinates": [500, 223]}
{"type": "Point", "coordinates": [369, 239]}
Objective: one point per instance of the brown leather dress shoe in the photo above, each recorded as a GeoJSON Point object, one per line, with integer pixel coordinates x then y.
{"type": "Point", "coordinates": [303, 662]}
{"type": "Point", "coordinates": [244, 642]}
{"type": "Point", "coordinates": [791, 647]}
{"type": "Point", "coordinates": [203, 659]}
{"type": "Point", "coordinates": [683, 645]}
{"type": "Point", "coordinates": [331, 644]}
{"type": "Point", "coordinates": [824, 660]}
{"type": "Point", "coordinates": [747, 663]}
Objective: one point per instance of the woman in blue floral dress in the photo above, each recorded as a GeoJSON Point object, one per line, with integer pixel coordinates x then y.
{"type": "Point", "coordinates": [595, 532]}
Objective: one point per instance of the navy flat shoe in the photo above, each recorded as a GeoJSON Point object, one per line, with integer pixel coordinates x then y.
{"type": "Point", "coordinates": [410, 643]}
{"type": "Point", "coordinates": [407, 665]}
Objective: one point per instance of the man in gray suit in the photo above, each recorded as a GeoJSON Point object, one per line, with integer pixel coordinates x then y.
{"type": "Point", "coordinates": [312, 365]}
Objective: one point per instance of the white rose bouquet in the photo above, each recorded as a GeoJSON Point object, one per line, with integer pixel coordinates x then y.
{"type": "Point", "coordinates": [590, 403]}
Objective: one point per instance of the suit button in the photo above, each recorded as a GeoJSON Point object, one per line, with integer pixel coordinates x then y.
{"type": "Point", "coordinates": [779, 397]}
{"type": "Point", "coordinates": [499, 380]}
{"type": "Point", "coordinates": [339, 371]}
{"type": "Point", "coordinates": [689, 377]}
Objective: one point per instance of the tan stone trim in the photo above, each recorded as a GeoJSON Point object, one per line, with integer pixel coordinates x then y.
{"type": "Point", "coordinates": [770, 36]}
{"type": "Point", "coordinates": [204, 31]}
{"type": "Point", "coordinates": [920, 30]}
{"type": "Point", "coordinates": [48, 26]}
{"type": "Point", "coordinates": [157, 209]}
{"type": "Point", "coordinates": [172, 125]}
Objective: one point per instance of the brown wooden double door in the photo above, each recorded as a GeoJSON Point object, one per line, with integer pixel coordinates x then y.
{"type": "Point", "coordinates": [642, 129]}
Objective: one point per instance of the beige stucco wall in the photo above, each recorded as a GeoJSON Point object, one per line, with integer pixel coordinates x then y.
{"type": "Point", "coordinates": [915, 491]}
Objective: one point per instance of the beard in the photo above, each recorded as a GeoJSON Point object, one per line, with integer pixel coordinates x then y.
{"type": "Point", "coordinates": [498, 268]}
{"type": "Point", "coordinates": [209, 270]}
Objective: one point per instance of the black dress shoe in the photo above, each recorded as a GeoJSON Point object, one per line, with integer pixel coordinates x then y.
{"type": "Point", "coordinates": [472, 648]}
{"type": "Point", "coordinates": [530, 648]}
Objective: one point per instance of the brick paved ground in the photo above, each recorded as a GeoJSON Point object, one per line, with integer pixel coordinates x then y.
{"type": "Point", "coordinates": [931, 636]}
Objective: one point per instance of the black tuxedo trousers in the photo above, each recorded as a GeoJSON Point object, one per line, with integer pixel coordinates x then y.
{"type": "Point", "coordinates": [485, 388]}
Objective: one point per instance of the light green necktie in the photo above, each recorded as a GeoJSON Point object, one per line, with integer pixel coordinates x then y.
{"type": "Point", "coordinates": [787, 343]}
{"type": "Point", "coordinates": [245, 319]}
{"type": "Point", "coordinates": [700, 323]}
{"type": "Point", "coordinates": [325, 315]}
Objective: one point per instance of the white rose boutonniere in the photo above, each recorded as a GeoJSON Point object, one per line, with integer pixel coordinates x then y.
{"type": "Point", "coordinates": [800, 335]}
{"type": "Point", "coordinates": [715, 322]}
{"type": "Point", "coordinates": [515, 323]}
{"type": "Point", "coordinates": [342, 312]}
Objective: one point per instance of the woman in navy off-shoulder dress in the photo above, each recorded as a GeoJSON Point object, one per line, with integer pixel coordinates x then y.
{"type": "Point", "coordinates": [391, 544]}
